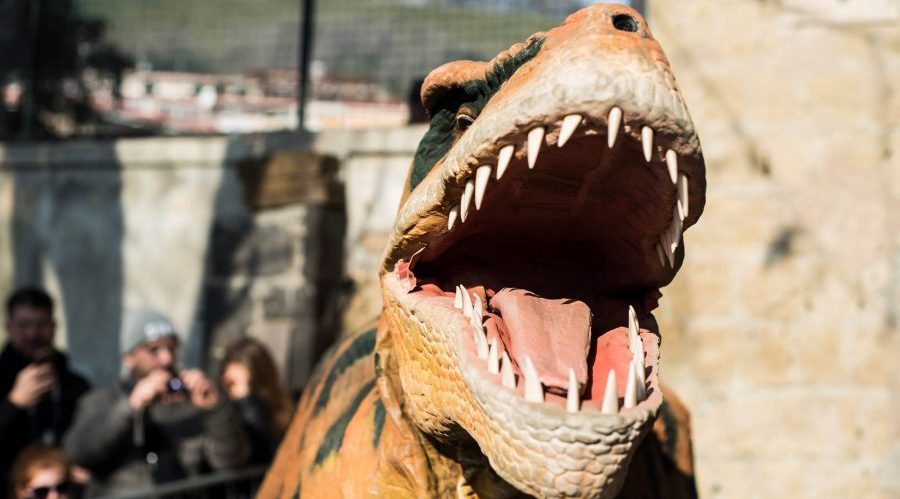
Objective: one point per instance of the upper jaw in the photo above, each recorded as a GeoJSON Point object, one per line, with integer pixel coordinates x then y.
{"type": "Point", "coordinates": [645, 116]}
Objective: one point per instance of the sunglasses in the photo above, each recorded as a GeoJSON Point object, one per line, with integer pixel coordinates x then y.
{"type": "Point", "coordinates": [44, 492]}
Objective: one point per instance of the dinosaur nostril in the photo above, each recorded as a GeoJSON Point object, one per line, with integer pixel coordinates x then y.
{"type": "Point", "coordinates": [624, 22]}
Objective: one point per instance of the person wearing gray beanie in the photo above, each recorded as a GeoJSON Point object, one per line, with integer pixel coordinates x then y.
{"type": "Point", "coordinates": [159, 423]}
{"type": "Point", "coordinates": [143, 325]}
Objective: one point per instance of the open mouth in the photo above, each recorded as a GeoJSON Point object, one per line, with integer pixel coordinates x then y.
{"type": "Point", "coordinates": [555, 250]}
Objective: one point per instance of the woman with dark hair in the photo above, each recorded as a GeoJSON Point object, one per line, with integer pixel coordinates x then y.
{"type": "Point", "coordinates": [251, 380]}
{"type": "Point", "coordinates": [43, 472]}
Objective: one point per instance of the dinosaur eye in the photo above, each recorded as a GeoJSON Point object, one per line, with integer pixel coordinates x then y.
{"type": "Point", "coordinates": [463, 121]}
{"type": "Point", "coordinates": [624, 22]}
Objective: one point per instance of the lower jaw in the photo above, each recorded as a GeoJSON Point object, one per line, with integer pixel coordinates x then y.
{"type": "Point", "coordinates": [528, 444]}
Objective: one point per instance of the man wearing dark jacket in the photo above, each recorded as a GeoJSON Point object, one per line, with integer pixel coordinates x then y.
{"type": "Point", "coordinates": [38, 392]}
{"type": "Point", "coordinates": [158, 424]}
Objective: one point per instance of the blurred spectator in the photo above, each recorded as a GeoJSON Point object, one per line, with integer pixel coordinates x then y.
{"type": "Point", "coordinates": [155, 426]}
{"type": "Point", "coordinates": [38, 392]}
{"type": "Point", "coordinates": [251, 379]}
{"type": "Point", "coordinates": [43, 472]}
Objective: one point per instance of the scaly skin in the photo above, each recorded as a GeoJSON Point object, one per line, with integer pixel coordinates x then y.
{"type": "Point", "coordinates": [414, 407]}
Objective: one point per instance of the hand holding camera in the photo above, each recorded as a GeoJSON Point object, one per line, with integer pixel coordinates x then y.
{"type": "Point", "coordinates": [201, 390]}
{"type": "Point", "coordinates": [31, 384]}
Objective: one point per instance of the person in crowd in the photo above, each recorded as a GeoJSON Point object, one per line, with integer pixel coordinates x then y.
{"type": "Point", "coordinates": [38, 390]}
{"type": "Point", "coordinates": [43, 472]}
{"type": "Point", "coordinates": [159, 424]}
{"type": "Point", "coordinates": [251, 380]}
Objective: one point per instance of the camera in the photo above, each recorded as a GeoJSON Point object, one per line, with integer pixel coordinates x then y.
{"type": "Point", "coordinates": [176, 385]}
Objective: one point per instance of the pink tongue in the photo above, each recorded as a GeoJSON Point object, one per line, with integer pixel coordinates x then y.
{"type": "Point", "coordinates": [556, 334]}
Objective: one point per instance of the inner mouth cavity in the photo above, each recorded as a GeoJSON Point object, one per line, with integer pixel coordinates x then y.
{"type": "Point", "coordinates": [570, 234]}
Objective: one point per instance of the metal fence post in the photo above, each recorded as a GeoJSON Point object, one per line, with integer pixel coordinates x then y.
{"type": "Point", "coordinates": [307, 11]}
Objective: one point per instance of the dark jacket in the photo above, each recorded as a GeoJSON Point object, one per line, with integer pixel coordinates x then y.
{"type": "Point", "coordinates": [264, 437]}
{"type": "Point", "coordinates": [126, 449]}
{"type": "Point", "coordinates": [47, 421]}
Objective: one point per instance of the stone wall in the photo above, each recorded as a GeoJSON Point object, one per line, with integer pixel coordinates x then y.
{"type": "Point", "coordinates": [165, 223]}
{"type": "Point", "coordinates": [781, 331]}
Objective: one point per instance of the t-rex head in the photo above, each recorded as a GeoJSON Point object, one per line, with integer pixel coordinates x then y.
{"type": "Point", "coordinates": [545, 209]}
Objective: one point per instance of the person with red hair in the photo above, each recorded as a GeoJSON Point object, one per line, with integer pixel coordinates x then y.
{"type": "Point", "coordinates": [43, 472]}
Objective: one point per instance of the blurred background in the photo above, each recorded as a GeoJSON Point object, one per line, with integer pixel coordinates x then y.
{"type": "Point", "coordinates": [238, 164]}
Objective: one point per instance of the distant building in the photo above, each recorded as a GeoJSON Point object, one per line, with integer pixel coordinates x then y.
{"type": "Point", "coordinates": [258, 100]}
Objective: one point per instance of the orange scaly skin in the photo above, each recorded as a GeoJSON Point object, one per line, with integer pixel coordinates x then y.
{"type": "Point", "coordinates": [408, 408]}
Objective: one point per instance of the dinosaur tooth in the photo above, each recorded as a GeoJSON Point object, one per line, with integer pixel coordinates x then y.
{"type": "Point", "coordinates": [675, 228]}
{"type": "Point", "coordinates": [672, 164]}
{"type": "Point", "coordinates": [683, 196]}
{"type": "Point", "coordinates": [482, 174]}
{"type": "Point", "coordinates": [503, 159]}
{"type": "Point", "coordinates": [630, 390]}
{"type": "Point", "coordinates": [647, 142]}
{"type": "Point", "coordinates": [481, 345]}
{"type": "Point", "coordinates": [493, 359]}
{"type": "Point", "coordinates": [507, 376]}
{"type": "Point", "coordinates": [452, 216]}
{"type": "Point", "coordinates": [458, 300]}
{"type": "Point", "coordinates": [613, 124]}
{"type": "Point", "coordinates": [572, 398]}
{"type": "Point", "coordinates": [667, 247]}
{"type": "Point", "coordinates": [633, 327]}
{"type": "Point", "coordinates": [467, 302]}
{"type": "Point", "coordinates": [535, 138]}
{"type": "Point", "coordinates": [637, 350]}
{"type": "Point", "coordinates": [569, 125]}
{"type": "Point", "coordinates": [534, 392]}
{"type": "Point", "coordinates": [610, 398]}
{"type": "Point", "coordinates": [659, 253]}
{"type": "Point", "coordinates": [466, 199]}
{"type": "Point", "coordinates": [640, 379]}
{"type": "Point", "coordinates": [477, 309]}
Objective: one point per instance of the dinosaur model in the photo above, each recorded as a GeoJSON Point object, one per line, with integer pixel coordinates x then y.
{"type": "Point", "coordinates": [516, 354]}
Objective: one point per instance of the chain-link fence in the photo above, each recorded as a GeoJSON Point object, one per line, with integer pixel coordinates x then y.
{"type": "Point", "coordinates": [177, 66]}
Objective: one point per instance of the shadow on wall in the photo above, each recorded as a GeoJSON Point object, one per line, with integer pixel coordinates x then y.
{"type": "Point", "coordinates": [275, 265]}
{"type": "Point", "coordinates": [67, 234]}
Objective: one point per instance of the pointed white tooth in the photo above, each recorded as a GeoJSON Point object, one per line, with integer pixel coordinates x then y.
{"type": "Point", "coordinates": [632, 326]}
{"type": "Point", "coordinates": [452, 216]}
{"type": "Point", "coordinates": [477, 308]}
{"type": "Point", "coordinates": [661, 255]}
{"type": "Point", "coordinates": [672, 164]}
{"type": "Point", "coordinates": [613, 124]}
{"type": "Point", "coordinates": [647, 142]}
{"type": "Point", "coordinates": [630, 390]}
{"type": "Point", "coordinates": [458, 299]}
{"type": "Point", "coordinates": [466, 199]}
{"type": "Point", "coordinates": [610, 397]}
{"type": "Point", "coordinates": [467, 302]}
{"type": "Point", "coordinates": [573, 399]}
{"type": "Point", "coordinates": [482, 174]}
{"type": "Point", "coordinates": [683, 199]}
{"type": "Point", "coordinates": [667, 248]}
{"type": "Point", "coordinates": [481, 343]}
{"type": "Point", "coordinates": [535, 139]}
{"type": "Point", "coordinates": [503, 159]}
{"type": "Point", "coordinates": [534, 392]}
{"type": "Point", "coordinates": [641, 380]}
{"type": "Point", "coordinates": [507, 376]}
{"type": "Point", "coordinates": [569, 125]}
{"type": "Point", "coordinates": [637, 356]}
{"type": "Point", "coordinates": [675, 229]}
{"type": "Point", "coordinates": [493, 363]}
